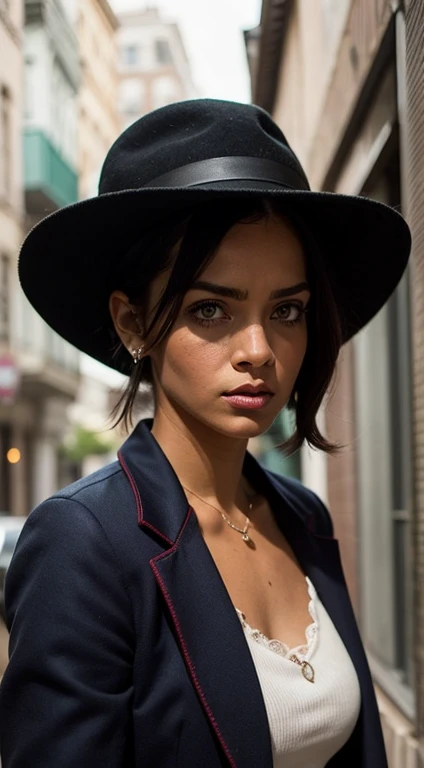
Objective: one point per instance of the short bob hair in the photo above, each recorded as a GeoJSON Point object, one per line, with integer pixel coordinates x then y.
{"type": "Point", "coordinates": [185, 244]}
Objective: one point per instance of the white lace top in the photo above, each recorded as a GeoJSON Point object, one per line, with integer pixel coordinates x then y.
{"type": "Point", "coordinates": [311, 692]}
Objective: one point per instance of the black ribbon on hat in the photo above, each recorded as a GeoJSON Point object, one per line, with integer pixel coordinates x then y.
{"type": "Point", "coordinates": [219, 169]}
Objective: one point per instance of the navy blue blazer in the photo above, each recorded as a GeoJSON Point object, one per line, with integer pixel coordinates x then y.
{"type": "Point", "coordinates": [125, 648]}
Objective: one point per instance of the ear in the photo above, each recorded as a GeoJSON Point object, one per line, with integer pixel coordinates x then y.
{"type": "Point", "coordinates": [126, 321]}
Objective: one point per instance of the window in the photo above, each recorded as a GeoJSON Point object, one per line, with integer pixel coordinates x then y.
{"type": "Point", "coordinates": [163, 91]}
{"type": "Point", "coordinates": [130, 55]}
{"type": "Point", "coordinates": [131, 91]}
{"type": "Point", "coordinates": [30, 90]}
{"type": "Point", "coordinates": [384, 428]}
{"type": "Point", "coordinates": [5, 148]}
{"type": "Point", "coordinates": [4, 297]}
{"type": "Point", "coordinates": [63, 114]}
{"type": "Point", "coordinates": [400, 406]}
{"type": "Point", "coordinates": [163, 52]}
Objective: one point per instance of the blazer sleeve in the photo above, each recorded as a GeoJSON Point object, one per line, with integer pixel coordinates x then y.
{"type": "Point", "coordinates": [65, 698]}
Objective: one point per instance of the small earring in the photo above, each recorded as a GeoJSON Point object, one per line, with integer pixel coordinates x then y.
{"type": "Point", "coordinates": [137, 354]}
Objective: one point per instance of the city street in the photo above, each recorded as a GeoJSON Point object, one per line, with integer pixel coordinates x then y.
{"type": "Point", "coordinates": [343, 80]}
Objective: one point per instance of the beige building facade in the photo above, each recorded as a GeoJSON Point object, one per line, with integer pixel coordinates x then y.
{"type": "Point", "coordinates": [152, 64]}
{"type": "Point", "coordinates": [11, 231]}
{"type": "Point", "coordinates": [11, 185]}
{"type": "Point", "coordinates": [11, 100]}
{"type": "Point", "coordinates": [98, 124]}
{"type": "Point", "coordinates": [39, 372]}
{"type": "Point", "coordinates": [343, 79]}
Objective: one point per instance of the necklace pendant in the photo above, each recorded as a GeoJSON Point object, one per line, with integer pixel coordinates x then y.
{"type": "Point", "coordinates": [250, 543]}
{"type": "Point", "coordinates": [308, 671]}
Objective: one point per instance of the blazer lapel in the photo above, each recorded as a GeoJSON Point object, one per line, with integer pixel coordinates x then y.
{"type": "Point", "coordinates": [214, 648]}
{"type": "Point", "coordinates": [319, 557]}
{"type": "Point", "coordinates": [210, 636]}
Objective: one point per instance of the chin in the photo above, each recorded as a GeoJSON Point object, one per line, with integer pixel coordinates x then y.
{"type": "Point", "coordinates": [242, 427]}
{"type": "Point", "coordinates": [238, 425]}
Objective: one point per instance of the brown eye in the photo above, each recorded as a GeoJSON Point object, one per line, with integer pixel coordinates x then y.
{"type": "Point", "coordinates": [208, 311]}
{"type": "Point", "coordinates": [285, 312]}
{"type": "Point", "coordinates": [290, 314]}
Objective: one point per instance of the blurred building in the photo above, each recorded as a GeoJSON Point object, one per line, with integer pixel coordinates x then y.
{"type": "Point", "coordinates": [343, 78]}
{"type": "Point", "coordinates": [11, 229]}
{"type": "Point", "coordinates": [93, 441]}
{"type": "Point", "coordinates": [52, 78]}
{"type": "Point", "coordinates": [152, 64]}
{"type": "Point", "coordinates": [98, 124]}
{"type": "Point", "coordinates": [39, 175]}
{"type": "Point", "coordinates": [90, 443]}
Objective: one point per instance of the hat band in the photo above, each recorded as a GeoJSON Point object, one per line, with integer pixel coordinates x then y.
{"type": "Point", "coordinates": [218, 169]}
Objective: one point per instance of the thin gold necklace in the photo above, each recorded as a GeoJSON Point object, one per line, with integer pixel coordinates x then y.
{"type": "Point", "coordinates": [244, 531]}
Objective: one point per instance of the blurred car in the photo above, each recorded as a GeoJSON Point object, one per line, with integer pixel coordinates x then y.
{"type": "Point", "coordinates": [10, 529]}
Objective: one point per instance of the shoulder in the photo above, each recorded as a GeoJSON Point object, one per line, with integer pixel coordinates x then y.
{"type": "Point", "coordinates": [98, 482]}
{"type": "Point", "coordinates": [95, 492]}
{"type": "Point", "coordinates": [93, 520]}
{"type": "Point", "coordinates": [102, 500]}
{"type": "Point", "coordinates": [307, 504]}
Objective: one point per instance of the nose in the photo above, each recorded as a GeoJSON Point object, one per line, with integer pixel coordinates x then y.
{"type": "Point", "coordinates": [251, 348]}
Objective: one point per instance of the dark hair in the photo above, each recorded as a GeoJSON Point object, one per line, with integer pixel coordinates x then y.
{"type": "Point", "coordinates": [186, 244]}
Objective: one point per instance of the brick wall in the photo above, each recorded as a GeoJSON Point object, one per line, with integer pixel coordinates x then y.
{"type": "Point", "coordinates": [415, 212]}
{"type": "Point", "coordinates": [340, 428]}
{"type": "Point", "coordinates": [365, 29]}
{"type": "Point", "coordinates": [401, 744]}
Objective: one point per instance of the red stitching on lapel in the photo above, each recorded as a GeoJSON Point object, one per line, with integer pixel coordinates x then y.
{"type": "Point", "coordinates": [138, 501]}
{"type": "Point", "coordinates": [187, 658]}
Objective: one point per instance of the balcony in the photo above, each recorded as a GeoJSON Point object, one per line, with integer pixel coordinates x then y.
{"type": "Point", "coordinates": [50, 182]}
{"type": "Point", "coordinates": [49, 366]}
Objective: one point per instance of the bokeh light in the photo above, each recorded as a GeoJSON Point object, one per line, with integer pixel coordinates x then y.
{"type": "Point", "coordinates": [13, 455]}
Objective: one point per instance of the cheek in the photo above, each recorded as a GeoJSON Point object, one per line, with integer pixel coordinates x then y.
{"type": "Point", "coordinates": [186, 358]}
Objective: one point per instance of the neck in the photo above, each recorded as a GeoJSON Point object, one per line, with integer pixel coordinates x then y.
{"type": "Point", "coordinates": [206, 462]}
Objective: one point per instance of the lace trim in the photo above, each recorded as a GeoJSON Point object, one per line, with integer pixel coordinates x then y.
{"type": "Point", "coordinates": [277, 646]}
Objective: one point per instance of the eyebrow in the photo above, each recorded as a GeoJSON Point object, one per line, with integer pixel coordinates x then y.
{"type": "Point", "coordinates": [239, 295]}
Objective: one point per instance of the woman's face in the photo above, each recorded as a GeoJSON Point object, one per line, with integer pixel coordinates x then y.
{"type": "Point", "coordinates": [241, 326]}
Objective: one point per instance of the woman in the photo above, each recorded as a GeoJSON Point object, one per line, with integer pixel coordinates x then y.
{"type": "Point", "coordinates": [158, 608]}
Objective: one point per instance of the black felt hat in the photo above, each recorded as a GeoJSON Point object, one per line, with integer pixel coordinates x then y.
{"type": "Point", "coordinates": [185, 154]}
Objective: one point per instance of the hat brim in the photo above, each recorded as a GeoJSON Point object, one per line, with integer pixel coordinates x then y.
{"type": "Point", "coordinates": [66, 260]}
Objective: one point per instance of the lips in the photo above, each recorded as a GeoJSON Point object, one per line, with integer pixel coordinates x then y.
{"type": "Point", "coordinates": [251, 390]}
{"type": "Point", "coordinates": [249, 397]}
{"type": "Point", "coordinates": [243, 399]}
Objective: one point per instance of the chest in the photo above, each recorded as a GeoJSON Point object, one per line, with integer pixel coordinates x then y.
{"type": "Point", "coordinates": [197, 679]}
{"type": "Point", "coordinates": [264, 580]}
{"type": "Point", "coordinates": [311, 711]}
